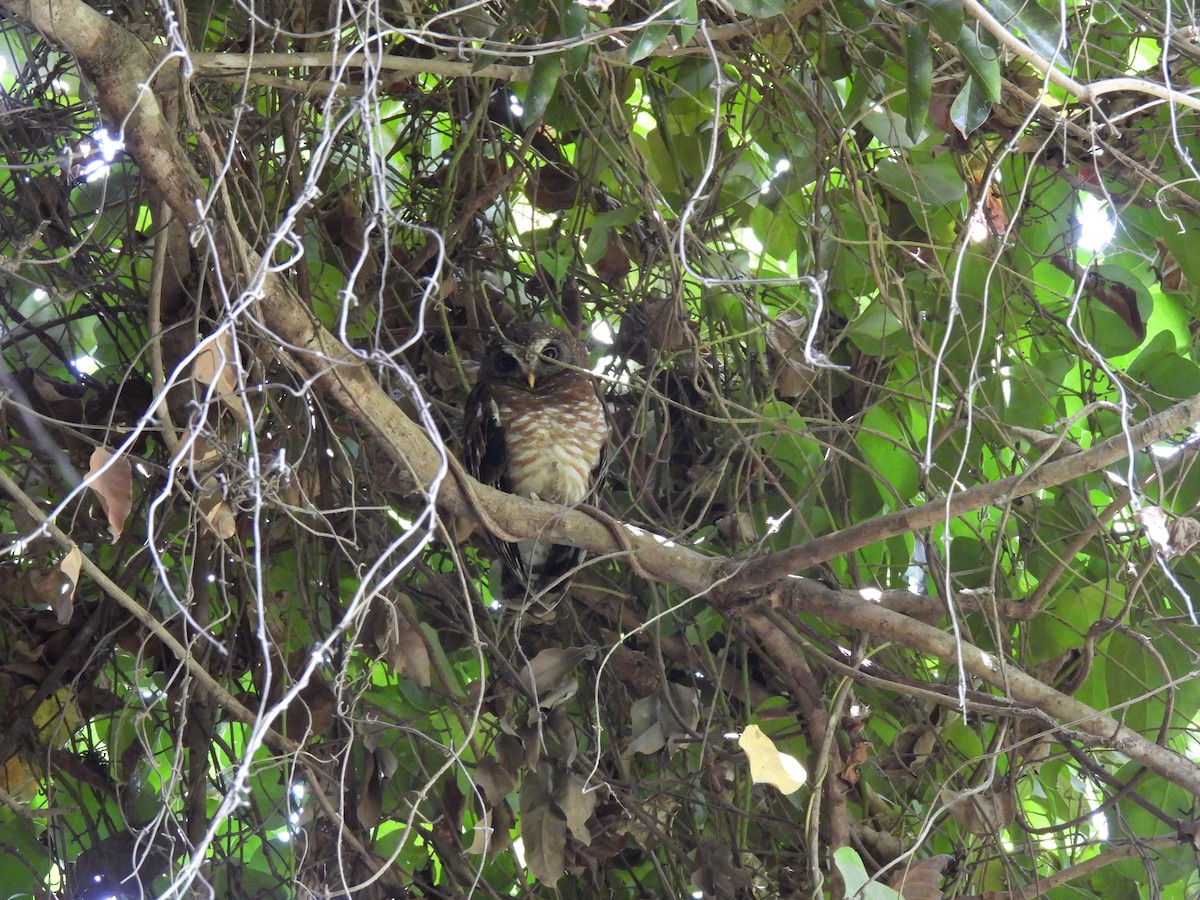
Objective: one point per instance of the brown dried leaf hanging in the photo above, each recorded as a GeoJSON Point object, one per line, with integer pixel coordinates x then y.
{"type": "Point", "coordinates": [114, 487]}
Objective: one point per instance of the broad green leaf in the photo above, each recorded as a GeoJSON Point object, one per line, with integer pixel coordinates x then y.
{"type": "Point", "coordinates": [854, 875]}
{"type": "Point", "coordinates": [760, 9]}
{"type": "Point", "coordinates": [882, 443]}
{"type": "Point", "coordinates": [971, 107]}
{"type": "Point", "coordinates": [689, 15]}
{"type": "Point", "coordinates": [924, 184]}
{"type": "Point", "coordinates": [878, 330]}
{"type": "Point", "coordinates": [1042, 29]}
{"type": "Point", "coordinates": [576, 24]}
{"type": "Point", "coordinates": [918, 78]}
{"type": "Point", "coordinates": [946, 16]}
{"type": "Point", "coordinates": [650, 38]}
{"type": "Point", "coordinates": [547, 71]}
{"type": "Point", "coordinates": [983, 59]}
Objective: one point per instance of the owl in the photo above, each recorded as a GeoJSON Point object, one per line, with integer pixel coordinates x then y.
{"type": "Point", "coordinates": [534, 425]}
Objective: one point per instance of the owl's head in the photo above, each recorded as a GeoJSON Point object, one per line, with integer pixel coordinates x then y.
{"type": "Point", "coordinates": [533, 356]}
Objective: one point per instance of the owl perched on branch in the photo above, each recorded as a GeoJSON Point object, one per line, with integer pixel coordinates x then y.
{"type": "Point", "coordinates": [535, 426]}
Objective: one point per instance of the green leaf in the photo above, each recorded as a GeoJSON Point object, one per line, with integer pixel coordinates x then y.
{"type": "Point", "coordinates": [547, 71]}
{"type": "Point", "coordinates": [760, 9]}
{"type": "Point", "coordinates": [652, 36]}
{"type": "Point", "coordinates": [923, 184]}
{"type": "Point", "coordinates": [576, 24]}
{"type": "Point", "coordinates": [983, 59]}
{"type": "Point", "coordinates": [971, 107]}
{"type": "Point", "coordinates": [689, 15]}
{"type": "Point", "coordinates": [918, 78]}
{"type": "Point", "coordinates": [882, 441]}
{"type": "Point", "coordinates": [854, 875]}
{"type": "Point", "coordinates": [946, 16]}
{"type": "Point", "coordinates": [878, 330]}
{"type": "Point", "coordinates": [1042, 29]}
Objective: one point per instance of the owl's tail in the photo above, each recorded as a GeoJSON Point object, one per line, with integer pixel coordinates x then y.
{"type": "Point", "coordinates": [538, 574]}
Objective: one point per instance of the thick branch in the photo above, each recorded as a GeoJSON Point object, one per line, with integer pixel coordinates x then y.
{"type": "Point", "coordinates": [776, 566]}
{"type": "Point", "coordinates": [803, 595]}
{"type": "Point", "coordinates": [1082, 91]}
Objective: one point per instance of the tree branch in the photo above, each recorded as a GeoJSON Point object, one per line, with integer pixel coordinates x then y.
{"type": "Point", "coordinates": [770, 569]}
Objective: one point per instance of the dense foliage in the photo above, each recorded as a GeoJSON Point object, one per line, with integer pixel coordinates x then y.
{"type": "Point", "coordinates": [896, 298]}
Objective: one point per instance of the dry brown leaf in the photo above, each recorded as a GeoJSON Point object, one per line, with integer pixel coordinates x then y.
{"type": "Point", "coordinates": [214, 363]}
{"type": "Point", "coordinates": [220, 518]}
{"type": "Point", "coordinates": [409, 656]}
{"type": "Point", "coordinates": [18, 780]}
{"type": "Point", "coordinates": [791, 372]}
{"type": "Point", "coordinates": [311, 711]}
{"type": "Point", "coordinates": [656, 719]}
{"type": "Point", "coordinates": [562, 726]}
{"type": "Point", "coordinates": [484, 836]}
{"type": "Point", "coordinates": [114, 487]}
{"type": "Point", "coordinates": [1185, 534]}
{"type": "Point", "coordinates": [980, 813]}
{"type": "Point", "coordinates": [70, 567]}
{"type": "Point", "coordinates": [546, 675]}
{"type": "Point", "coordinates": [494, 780]}
{"type": "Point", "coordinates": [578, 806]}
{"type": "Point", "coordinates": [45, 587]}
{"type": "Point", "coordinates": [922, 878]}
{"type": "Point", "coordinates": [768, 764]}
{"type": "Point", "coordinates": [1170, 537]}
{"type": "Point", "coordinates": [543, 828]}
{"type": "Point", "coordinates": [858, 755]}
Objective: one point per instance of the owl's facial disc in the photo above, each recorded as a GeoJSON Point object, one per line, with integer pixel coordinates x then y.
{"type": "Point", "coordinates": [538, 360]}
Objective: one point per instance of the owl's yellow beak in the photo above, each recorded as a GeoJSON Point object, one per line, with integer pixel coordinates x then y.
{"type": "Point", "coordinates": [531, 378]}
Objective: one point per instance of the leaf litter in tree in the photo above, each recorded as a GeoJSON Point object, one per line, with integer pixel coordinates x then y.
{"type": "Point", "coordinates": [114, 487]}
{"type": "Point", "coordinates": [768, 764]}
{"type": "Point", "coordinates": [543, 827]}
{"type": "Point", "coordinates": [980, 813]}
{"type": "Point", "coordinates": [922, 879]}
{"type": "Point", "coordinates": [656, 719]}
{"type": "Point", "coordinates": [70, 567]}
{"type": "Point", "coordinates": [546, 675]}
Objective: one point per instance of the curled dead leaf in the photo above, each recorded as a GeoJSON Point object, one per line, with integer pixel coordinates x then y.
{"type": "Point", "coordinates": [220, 518]}
{"type": "Point", "coordinates": [1185, 534]}
{"type": "Point", "coordinates": [543, 827]}
{"type": "Point", "coordinates": [214, 363]}
{"type": "Point", "coordinates": [1170, 537]}
{"type": "Point", "coordinates": [980, 812]}
{"type": "Point", "coordinates": [665, 719]}
{"type": "Point", "coordinates": [112, 481]}
{"type": "Point", "coordinates": [546, 676]}
{"type": "Point", "coordinates": [494, 780]}
{"type": "Point", "coordinates": [921, 879]}
{"type": "Point", "coordinates": [790, 371]}
{"type": "Point", "coordinates": [70, 567]}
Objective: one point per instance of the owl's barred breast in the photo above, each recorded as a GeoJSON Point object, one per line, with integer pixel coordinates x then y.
{"type": "Point", "coordinates": [553, 449]}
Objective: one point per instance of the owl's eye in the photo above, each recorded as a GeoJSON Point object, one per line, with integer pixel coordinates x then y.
{"type": "Point", "coordinates": [550, 352]}
{"type": "Point", "coordinates": [507, 363]}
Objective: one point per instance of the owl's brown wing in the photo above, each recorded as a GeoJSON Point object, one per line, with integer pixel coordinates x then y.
{"type": "Point", "coordinates": [485, 456]}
